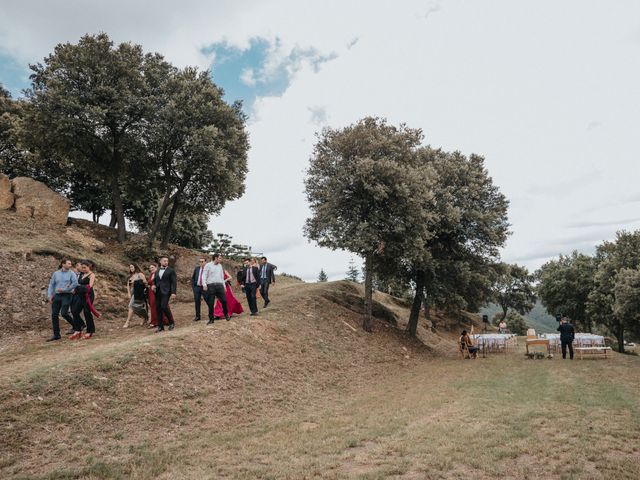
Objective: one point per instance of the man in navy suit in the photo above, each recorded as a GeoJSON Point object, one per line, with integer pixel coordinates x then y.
{"type": "Point", "coordinates": [267, 277]}
{"type": "Point", "coordinates": [196, 286]}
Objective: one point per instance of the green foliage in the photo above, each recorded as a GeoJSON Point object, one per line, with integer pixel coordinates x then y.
{"type": "Point", "coordinates": [564, 286]}
{"type": "Point", "coordinates": [365, 193]}
{"type": "Point", "coordinates": [87, 109]}
{"type": "Point", "coordinates": [322, 276]}
{"type": "Point", "coordinates": [198, 145]}
{"type": "Point", "coordinates": [114, 128]}
{"type": "Point", "coordinates": [224, 244]}
{"type": "Point", "coordinates": [11, 157]}
{"type": "Point", "coordinates": [627, 298]}
{"type": "Point", "coordinates": [353, 274]}
{"type": "Point", "coordinates": [513, 289]}
{"type": "Point", "coordinates": [191, 230]}
{"type": "Point", "coordinates": [456, 265]}
{"type": "Point", "coordinates": [613, 260]}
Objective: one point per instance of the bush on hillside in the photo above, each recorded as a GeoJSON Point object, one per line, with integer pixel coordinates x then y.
{"type": "Point", "coordinates": [515, 322]}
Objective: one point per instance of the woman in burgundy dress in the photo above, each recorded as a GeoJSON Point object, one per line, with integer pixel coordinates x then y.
{"type": "Point", "coordinates": [233, 305]}
{"type": "Point", "coordinates": [153, 268]}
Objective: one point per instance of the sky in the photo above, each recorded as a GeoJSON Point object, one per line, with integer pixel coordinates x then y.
{"type": "Point", "coordinates": [548, 92]}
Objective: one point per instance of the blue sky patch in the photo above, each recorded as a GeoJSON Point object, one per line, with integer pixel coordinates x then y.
{"type": "Point", "coordinates": [262, 70]}
{"type": "Point", "coordinates": [13, 76]}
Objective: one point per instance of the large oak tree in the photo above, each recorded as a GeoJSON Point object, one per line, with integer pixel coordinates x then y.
{"type": "Point", "coordinates": [366, 194]}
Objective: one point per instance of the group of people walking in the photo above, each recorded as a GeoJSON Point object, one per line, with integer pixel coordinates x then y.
{"type": "Point", "coordinates": [149, 298]}
{"type": "Point", "coordinates": [71, 293]}
{"type": "Point", "coordinates": [211, 283]}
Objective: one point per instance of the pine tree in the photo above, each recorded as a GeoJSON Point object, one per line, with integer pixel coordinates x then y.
{"type": "Point", "coordinates": [322, 277]}
{"type": "Point", "coordinates": [352, 273]}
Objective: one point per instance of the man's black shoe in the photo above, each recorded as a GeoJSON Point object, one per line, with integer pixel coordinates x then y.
{"type": "Point", "coordinates": [196, 319]}
{"type": "Point", "coordinates": [266, 304]}
{"type": "Point", "coordinates": [254, 314]}
{"type": "Point", "coordinates": [172, 326]}
{"type": "Point", "coordinates": [53, 338]}
{"type": "Point", "coordinates": [227, 318]}
{"type": "Point", "coordinates": [159, 329]}
{"type": "Point", "coordinates": [210, 322]}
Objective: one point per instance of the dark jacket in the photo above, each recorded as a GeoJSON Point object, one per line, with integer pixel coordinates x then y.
{"type": "Point", "coordinates": [194, 277]}
{"type": "Point", "coordinates": [567, 332]}
{"type": "Point", "coordinates": [256, 275]}
{"type": "Point", "coordinates": [168, 283]}
{"type": "Point", "coordinates": [271, 276]}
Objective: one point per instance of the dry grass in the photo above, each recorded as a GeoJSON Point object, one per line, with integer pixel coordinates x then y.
{"type": "Point", "coordinates": [298, 394]}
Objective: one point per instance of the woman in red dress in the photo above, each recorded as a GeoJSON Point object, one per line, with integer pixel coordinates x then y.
{"type": "Point", "coordinates": [233, 305]}
{"type": "Point", "coordinates": [153, 268]}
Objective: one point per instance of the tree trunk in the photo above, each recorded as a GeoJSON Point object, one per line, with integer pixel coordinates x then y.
{"type": "Point", "coordinates": [119, 209]}
{"type": "Point", "coordinates": [113, 221]}
{"type": "Point", "coordinates": [95, 217]}
{"type": "Point", "coordinates": [156, 223]}
{"type": "Point", "coordinates": [620, 337]}
{"type": "Point", "coordinates": [412, 326]}
{"type": "Point", "coordinates": [368, 292]}
{"type": "Point", "coordinates": [169, 227]}
{"type": "Point", "coordinates": [504, 312]}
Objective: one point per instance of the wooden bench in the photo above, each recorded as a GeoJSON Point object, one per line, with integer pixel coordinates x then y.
{"type": "Point", "coordinates": [592, 351]}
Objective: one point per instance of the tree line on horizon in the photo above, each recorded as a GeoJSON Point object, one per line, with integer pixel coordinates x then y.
{"type": "Point", "coordinates": [115, 129]}
{"type": "Point", "coordinates": [602, 290]}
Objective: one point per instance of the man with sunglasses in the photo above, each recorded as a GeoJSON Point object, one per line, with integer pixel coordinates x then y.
{"type": "Point", "coordinates": [196, 286]}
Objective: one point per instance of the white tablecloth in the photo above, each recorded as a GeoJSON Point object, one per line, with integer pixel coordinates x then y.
{"type": "Point", "coordinates": [492, 339]}
{"type": "Point", "coordinates": [580, 340]}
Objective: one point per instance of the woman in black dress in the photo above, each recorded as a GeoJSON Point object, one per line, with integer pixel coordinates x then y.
{"type": "Point", "coordinates": [136, 288]}
{"type": "Point", "coordinates": [83, 302]}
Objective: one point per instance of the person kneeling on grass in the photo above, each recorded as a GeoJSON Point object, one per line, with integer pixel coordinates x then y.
{"type": "Point", "coordinates": [465, 340]}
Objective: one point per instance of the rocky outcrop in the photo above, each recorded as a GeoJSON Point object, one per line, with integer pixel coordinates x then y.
{"type": "Point", "coordinates": [35, 200]}
{"type": "Point", "coordinates": [6, 195]}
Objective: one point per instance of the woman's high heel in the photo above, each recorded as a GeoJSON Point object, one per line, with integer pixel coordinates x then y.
{"type": "Point", "coordinates": [87, 336]}
{"type": "Point", "coordinates": [75, 336]}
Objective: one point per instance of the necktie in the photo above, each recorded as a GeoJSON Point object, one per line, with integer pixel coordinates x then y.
{"type": "Point", "coordinates": [200, 280]}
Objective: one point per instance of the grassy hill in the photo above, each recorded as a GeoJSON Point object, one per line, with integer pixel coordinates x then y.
{"type": "Point", "coordinates": [301, 391]}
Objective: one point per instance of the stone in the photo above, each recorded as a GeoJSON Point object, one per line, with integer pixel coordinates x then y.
{"type": "Point", "coordinates": [6, 195]}
{"type": "Point", "coordinates": [35, 200]}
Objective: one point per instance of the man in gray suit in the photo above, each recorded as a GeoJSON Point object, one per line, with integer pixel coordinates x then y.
{"type": "Point", "coordinates": [267, 277]}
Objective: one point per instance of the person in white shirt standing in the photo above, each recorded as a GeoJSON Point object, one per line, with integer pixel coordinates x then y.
{"type": "Point", "coordinates": [213, 285]}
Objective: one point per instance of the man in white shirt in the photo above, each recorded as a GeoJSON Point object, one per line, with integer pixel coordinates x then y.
{"type": "Point", "coordinates": [213, 284]}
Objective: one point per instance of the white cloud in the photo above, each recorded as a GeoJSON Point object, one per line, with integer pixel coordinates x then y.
{"type": "Point", "coordinates": [515, 81]}
{"type": "Point", "coordinates": [248, 77]}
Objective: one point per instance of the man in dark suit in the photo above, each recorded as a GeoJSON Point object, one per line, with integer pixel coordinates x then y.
{"type": "Point", "coordinates": [164, 285]}
{"type": "Point", "coordinates": [267, 277]}
{"type": "Point", "coordinates": [567, 334]}
{"type": "Point", "coordinates": [250, 279]}
{"type": "Point", "coordinates": [196, 286]}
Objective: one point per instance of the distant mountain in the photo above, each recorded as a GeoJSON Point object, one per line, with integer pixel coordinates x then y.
{"type": "Point", "coordinates": [537, 318]}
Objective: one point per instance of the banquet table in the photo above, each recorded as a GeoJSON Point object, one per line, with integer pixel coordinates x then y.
{"type": "Point", "coordinates": [495, 342]}
{"type": "Point", "coordinates": [580, 340]}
